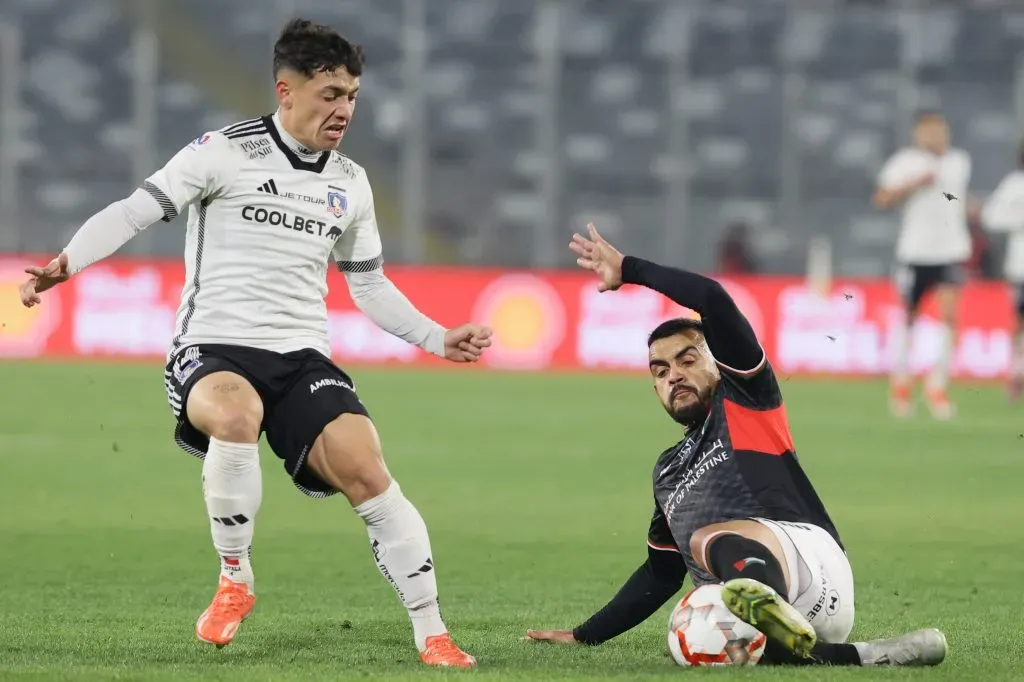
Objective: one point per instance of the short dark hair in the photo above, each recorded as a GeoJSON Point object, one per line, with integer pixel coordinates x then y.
{"type": "Point", "coordinates": [308, 47]}
{"type": "Point", "coordinates": [927, 114]}
{"type": "Point", "coordinates": [672, 327]}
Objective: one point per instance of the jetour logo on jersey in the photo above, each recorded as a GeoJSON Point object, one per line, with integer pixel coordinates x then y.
{"type": "Point", "coordinates": [289, 221]}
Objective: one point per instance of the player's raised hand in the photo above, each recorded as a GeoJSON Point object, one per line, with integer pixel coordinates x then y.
{"type": "Point", "coordinates": [598, 256]}
{"type": "Point", "coordinates": [466, 343]}
{"type": "Point", "coordinates": [553, 636]}
{"type": "Point", "coordinates": [46, 277]}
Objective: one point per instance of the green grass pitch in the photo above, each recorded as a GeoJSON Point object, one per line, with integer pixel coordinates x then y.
{"type": "Point", "coordinates": [537, 493]}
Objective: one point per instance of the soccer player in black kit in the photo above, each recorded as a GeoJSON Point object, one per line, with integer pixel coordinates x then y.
{"type": "Point", "coordinates": [732, 504]}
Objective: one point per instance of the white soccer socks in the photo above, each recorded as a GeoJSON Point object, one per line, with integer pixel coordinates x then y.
{"type": "Point", "coordinates": [233, 488]}
{"type": "Point", "coordinates": [941, 370]}
{"type": "Point", "coordinates": [901, 363]}
{"type": "Point", "coordinates": [401, 548]}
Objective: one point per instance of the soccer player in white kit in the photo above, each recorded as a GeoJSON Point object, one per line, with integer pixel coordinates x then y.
{"type": "Point", "coordinates": [1004, 212]}
{"type": "Point", "coordinates": [270, 201]}
{"type": "Point", "coordinates": [930, 180]}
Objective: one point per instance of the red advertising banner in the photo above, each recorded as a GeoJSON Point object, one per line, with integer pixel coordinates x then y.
{"type": "Point", "coordinates": [542, 320]}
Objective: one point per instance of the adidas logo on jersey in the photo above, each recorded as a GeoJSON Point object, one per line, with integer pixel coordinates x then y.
{"type": "Point", "coordinates": [270, 187]}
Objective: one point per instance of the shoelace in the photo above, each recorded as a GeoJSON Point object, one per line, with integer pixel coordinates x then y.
{"type": "Point", "coordinates": [232, 600]}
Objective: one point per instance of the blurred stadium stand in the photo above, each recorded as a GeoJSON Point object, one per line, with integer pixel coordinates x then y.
{"type": "Point", "coordinates": [493, 127]}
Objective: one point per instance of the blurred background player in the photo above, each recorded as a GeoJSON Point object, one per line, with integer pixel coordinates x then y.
{"type": "Point", "coordinates": [270, 201]}
{"type": "Point", "coordinates": [929, 179]}
{"type": "Point", "coordinates": [1004, 212]}
{"type": "Point", "coordinates": [732, 503]}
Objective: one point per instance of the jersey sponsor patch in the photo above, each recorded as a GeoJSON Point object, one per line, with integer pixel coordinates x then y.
{"type": "Point", "coordinates": [201, 140]}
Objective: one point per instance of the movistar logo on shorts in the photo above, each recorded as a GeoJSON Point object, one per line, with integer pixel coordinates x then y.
{"type": "Point", "coordinates": [316, 385]}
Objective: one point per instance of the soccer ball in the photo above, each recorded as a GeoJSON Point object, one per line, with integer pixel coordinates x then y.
{"type": "Point", "coordinates": [702, 631]}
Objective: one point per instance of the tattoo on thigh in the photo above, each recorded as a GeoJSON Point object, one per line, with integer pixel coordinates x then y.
{"type": "Point", "coordinates": [227, 388]}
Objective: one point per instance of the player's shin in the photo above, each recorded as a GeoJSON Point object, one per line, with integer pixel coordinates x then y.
{"type": "Point", "coordinates": [401, 548]}
{"type": "Point", "coordinates": [233, 489]}
{"type": "Point", "coordinates": [754, 590]}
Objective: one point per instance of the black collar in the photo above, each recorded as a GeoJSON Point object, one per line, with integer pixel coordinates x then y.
{"type": "Point", "coordinates": [293, 158]}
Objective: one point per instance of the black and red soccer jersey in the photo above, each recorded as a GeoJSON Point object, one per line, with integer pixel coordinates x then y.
{"type": "Point", "coordinates": [741, 462]}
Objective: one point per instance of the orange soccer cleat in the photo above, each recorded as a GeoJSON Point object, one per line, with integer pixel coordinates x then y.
{"type": "Point", "coordinates": [899, 400]}
{"type": "Point", "coordinates": [442, 651]}
{"type": "Point", "coordinates": [230, 606]}
{"type": "Point", "coordinates": [939, 404]}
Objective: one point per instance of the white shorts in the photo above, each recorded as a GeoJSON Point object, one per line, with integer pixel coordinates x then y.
{"type": "Point", "coordinates": [820, 578]}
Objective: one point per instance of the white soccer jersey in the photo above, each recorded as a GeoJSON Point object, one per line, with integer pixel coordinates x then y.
{"type": "Point", "coordinates": [264, 218]}
{"type": "Point", "coordinates": [934, 228]}
{"type": "Point", "coordinates": [1004, 212]}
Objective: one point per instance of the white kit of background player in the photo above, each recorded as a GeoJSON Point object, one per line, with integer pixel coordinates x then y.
{"type": "Point", "coordinates": [1004, 212]}
{"type": "Point", "coordinates": [250, 352]}
{"type": "Point", "coordinates": [930, 179]}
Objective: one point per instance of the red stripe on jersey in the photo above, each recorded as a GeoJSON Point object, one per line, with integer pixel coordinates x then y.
{"type": "Point", "coordinates": [763, 431]}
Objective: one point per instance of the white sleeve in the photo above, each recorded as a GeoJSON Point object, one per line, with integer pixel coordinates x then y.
{"type": "Point", "coordinates": [1004, 210]}
{"type": "Point", "coordinates": [895, 172]}
{"type": "Point", "coordinates": [200, 171]}
{"type": "Point", "coordinates": [358, 254]}
{"type": "Point", "coordinates": [111, 228]}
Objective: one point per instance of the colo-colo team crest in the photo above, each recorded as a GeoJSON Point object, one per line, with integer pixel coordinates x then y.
{"type": "Point", "coordinates": [337, 202]}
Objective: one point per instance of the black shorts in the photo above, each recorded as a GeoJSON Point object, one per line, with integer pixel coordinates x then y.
{"type": "Point", "coordinates": [302, 392]}
{"type": "Point", "coordinates": [915, 281]}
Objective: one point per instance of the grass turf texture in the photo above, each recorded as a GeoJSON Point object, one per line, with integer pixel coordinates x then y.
{"type": "Point", "coordinates": [537, 493]}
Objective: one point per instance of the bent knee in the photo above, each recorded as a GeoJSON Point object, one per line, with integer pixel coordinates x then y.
{"type": "Point", "coordinates": [236, 426]}
{"type": "Point", "coordinates": [348, 457]}
{"type": "Point", "coordinates": [231, 422]}
{"type": "Point", "coordinates": [702, 537]}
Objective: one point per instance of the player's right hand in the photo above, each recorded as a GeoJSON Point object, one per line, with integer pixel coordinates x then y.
{"type": "Point", "coordinates": [553, 636]}
{"type": "Point", "coordinates": [598, 256]}
{"type": "Point", "coordinates": [46, 277]}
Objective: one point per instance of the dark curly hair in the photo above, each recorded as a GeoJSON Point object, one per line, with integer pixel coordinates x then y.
{"type": "Point", "coordinates": [307, 47]}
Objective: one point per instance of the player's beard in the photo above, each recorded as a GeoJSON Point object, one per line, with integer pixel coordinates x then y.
{"type": "Point", "coordinates": [694, 412]}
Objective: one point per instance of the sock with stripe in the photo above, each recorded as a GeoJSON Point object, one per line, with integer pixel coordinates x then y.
{"type": "Point", "coordinates": [233, 489]}
{"type": "Point", "coordinates": [401, 549]}
{"type": "Point", "coordinates": [734, 556]}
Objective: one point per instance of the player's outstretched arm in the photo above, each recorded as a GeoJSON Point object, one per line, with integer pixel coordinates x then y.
{"type": "Point", "coordinates": [646, 591]}
{"type": "Point", "coordinates": [729, 335]}
{"type": "Point", "coordinates": [99, 237]}
{"type": "Point", "coordinates": [358, 254]}
{"type": "Point", "coordinates": [199, 171]}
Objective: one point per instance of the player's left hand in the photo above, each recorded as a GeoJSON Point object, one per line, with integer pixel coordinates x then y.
{"type": "Point", "coordinates": [466, 343]}
{"type": "Point", "coordinates": [46, 277]}
{"type": "Point", "coordinates": [600, 257]}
